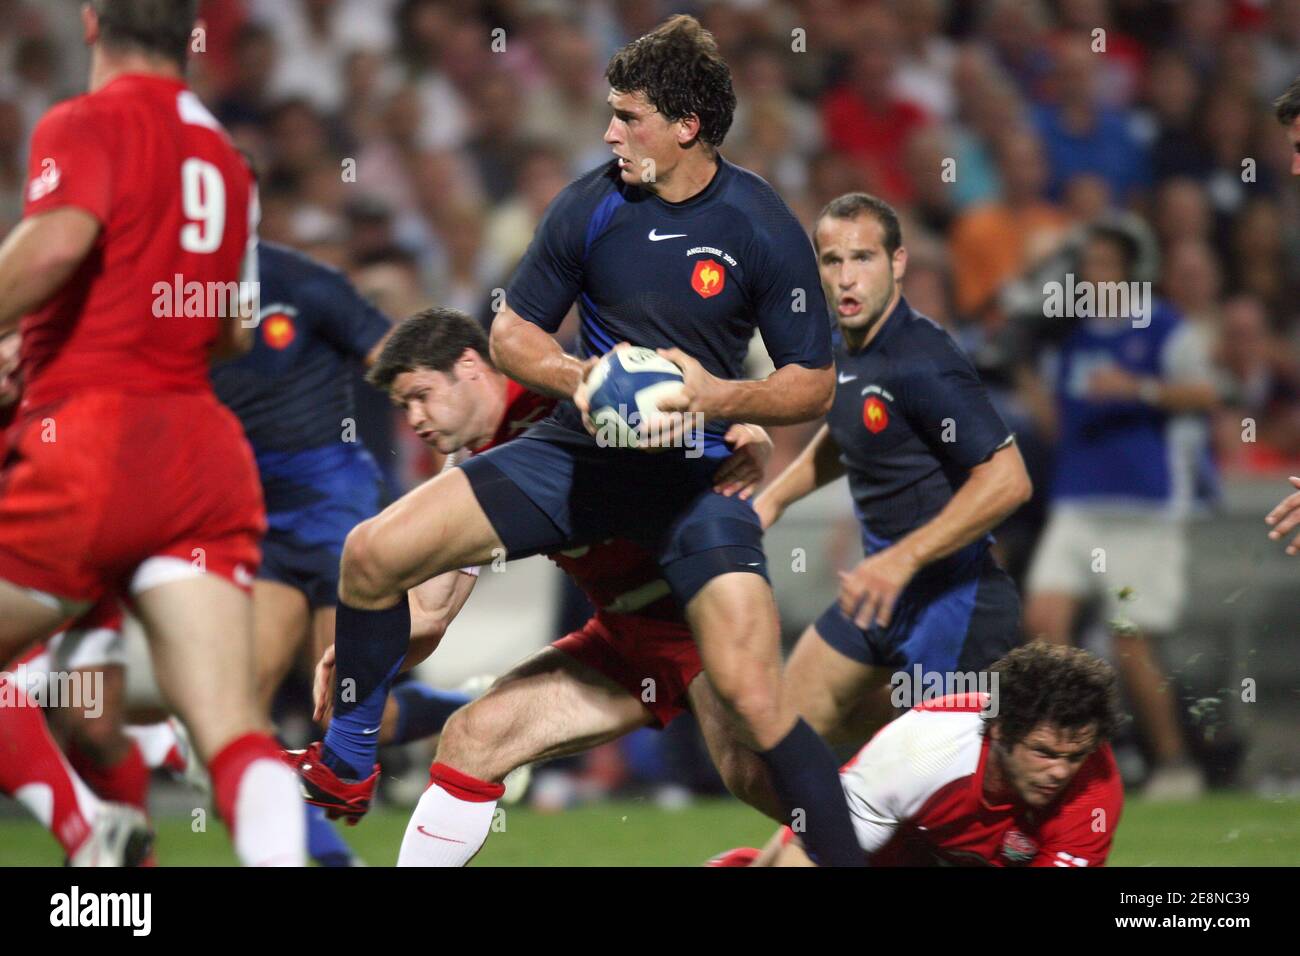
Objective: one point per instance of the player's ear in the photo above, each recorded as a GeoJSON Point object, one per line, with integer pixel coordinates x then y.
{"type": "Point", "coordinates": [898, 263]}
{"type": "Point", "coordinates": [688, 128]}
{"type": "Point", "coordinates": [89, 25]}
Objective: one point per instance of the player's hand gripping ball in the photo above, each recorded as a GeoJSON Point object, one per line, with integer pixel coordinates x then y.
{"type": "Point", "coordinates": [623, 392]}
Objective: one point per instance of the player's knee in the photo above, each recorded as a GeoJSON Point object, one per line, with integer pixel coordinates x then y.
{"type": "Point", "coordinates": [749, 694]}
{"type": "Point", "coordinates": [473, 737]}
{"type": "Point", "coordinates": [363, 574]}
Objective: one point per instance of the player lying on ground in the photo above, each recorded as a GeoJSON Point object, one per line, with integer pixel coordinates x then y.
{"type": "Point", "coordinates": [124, 476]}
{"type": "Point", "coordinates": [632, 665]}
{"type": "Point", "coordinates": [668, 246]}
{"type": "Point", "coordinates": [1024, 779]}
{"type": "Point", "coordinates": [933, 469]}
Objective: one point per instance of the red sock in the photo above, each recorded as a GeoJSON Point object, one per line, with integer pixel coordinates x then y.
{"type": "Point", "coordinates": [126, 781]}
{"type": "Point", "coordinates": [34, 773]}
{"type": "Point", "coordinates": [259, 799]}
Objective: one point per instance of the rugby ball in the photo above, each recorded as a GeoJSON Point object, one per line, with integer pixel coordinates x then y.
{"type": "Point", "coordinates": [625, 388]}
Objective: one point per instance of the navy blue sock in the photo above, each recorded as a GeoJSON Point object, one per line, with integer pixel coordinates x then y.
{"type": "Point", "coordinates": [422, 710]}
{"type": "Point", "coordinates": [369, 647]}
{"type": "Point", "coordinates": [807, 779]}
{"type": "Point", "coordinates": [324, 845]}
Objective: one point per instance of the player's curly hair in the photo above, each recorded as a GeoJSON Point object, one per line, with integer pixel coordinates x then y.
{"type": "Point", "coordinates": [432, 339]}
{"type": "Point", "coordinates": [678, 69]}
{"type": "Point", "coordinates": [1066, 687]}
{"type": "Point", "coordinates": [159, 27]}
{"type": "Point", "coordinates": [1287, 106]}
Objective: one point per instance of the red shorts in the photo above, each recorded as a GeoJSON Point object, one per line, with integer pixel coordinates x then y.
{"type": "Point", "coordinates": [653, 660]}
{"type": "Point", "coordinates": [94, 485]}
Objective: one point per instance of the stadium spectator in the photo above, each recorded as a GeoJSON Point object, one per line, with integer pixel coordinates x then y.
{"type": "Point", "coordinates": [1128, 385]}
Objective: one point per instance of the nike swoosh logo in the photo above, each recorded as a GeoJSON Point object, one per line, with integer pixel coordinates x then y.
{"type": "Point", "coordinates": [845, 379]}
{"type": "Point", "coordinates": [436, 837]}
{"type": "Point", "coordinates": [371, 732]}
{"type": "Point", "coordinates": [672, 235]}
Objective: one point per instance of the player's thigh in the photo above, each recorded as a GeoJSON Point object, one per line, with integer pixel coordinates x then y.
{"type": "Point", "coordinates": [824, 685]}
{"type": "Point", "coordinates": [548, 706]}
{"type": "Point", "coordinates": [436, 527]}
{"type": "Point", "coordinates": [200, 632]}
{"type": "Point", "coordinates": [734, 620]}
{"type": "Point", "coordinates": [280, 622]}
{"type": "Point", "coordinates": [1050, 616]}
{"type": "Point", "coordinates": [25, 619]}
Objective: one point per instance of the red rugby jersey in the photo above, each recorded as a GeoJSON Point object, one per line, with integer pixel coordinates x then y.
{"type": "Point", "coordinates": [176, 206]}
{"type": "Point", "coordinates": [916, 795]}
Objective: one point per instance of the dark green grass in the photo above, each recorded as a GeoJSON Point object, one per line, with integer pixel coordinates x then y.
{"type": "Point", "coordinates": [1216, 831]}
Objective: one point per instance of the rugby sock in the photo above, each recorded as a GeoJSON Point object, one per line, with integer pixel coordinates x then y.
{"type": "Point", "coordinates": [324, 845]}
{"type": "Point", "coordinates": [126, 781]}
{"type": "Point", "coordinates": [451, 822]}
{"type": "Point", "coordinates": [159, 745]}
{"type": "Point", "coordinates": [369, 647]}
{"type": "Point", "coordinates": [806, 778]}
{"type": "Point", "coordinates": [34, 772]}
{"type": "Point", "coordinates": [422, 710]}
{"type": "Point", "coordinates": [258, 798]}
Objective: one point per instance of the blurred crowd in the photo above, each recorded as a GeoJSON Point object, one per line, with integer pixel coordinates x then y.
{"type": "Point", "coordinates": [415, 143]}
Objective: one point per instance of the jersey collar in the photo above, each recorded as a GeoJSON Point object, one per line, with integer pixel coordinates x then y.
{"type": "Point", "coordinates": [901, 311]}
{"type": "Point", "coordinates": [687, 207]}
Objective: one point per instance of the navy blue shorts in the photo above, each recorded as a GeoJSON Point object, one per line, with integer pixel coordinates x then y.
{"type": "Point", "coordinates": [554, 488]}
{"type": "Point", "coordinates": [304, 544]}
{"type": "Point", "coordinates": [942, 624]}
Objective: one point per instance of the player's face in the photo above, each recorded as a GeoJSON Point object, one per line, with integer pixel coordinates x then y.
{"type": "Point", "coordinates": [1103, 261]}
{"type": "Point", "coordinates": [858, 276]}
{"type": "Point", "coordinates": [438, 406]}
{"type": "Point", "coordinates": [645, 143]}
{"type": "Point", "coordinates": [1039, 767]}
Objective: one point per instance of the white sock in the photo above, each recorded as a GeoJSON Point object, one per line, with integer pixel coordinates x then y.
{"type": "Point", "coordinates": [270, 828]}
{"type": "Point", "coordinates": [450, 824]}
{"type": "Point", "coordinates": [154, 740]}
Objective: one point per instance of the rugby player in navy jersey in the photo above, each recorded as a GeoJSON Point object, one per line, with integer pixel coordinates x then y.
{"type": "Point", "coordinates": [671, 247]}
{"type": "Point", "coordinates": [932, 468]}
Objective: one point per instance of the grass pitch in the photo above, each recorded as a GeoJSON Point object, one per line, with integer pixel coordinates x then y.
{"type": "Point", "coordinates": [1221, 830]}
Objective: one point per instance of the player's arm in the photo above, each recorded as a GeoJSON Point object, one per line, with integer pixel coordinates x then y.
{"type": "Point", "coordinates": [434, 605]}
{"type": "Point", "coordinates": [1185, 383]}
{"type": "Point", "coordinates": [39, 257]}
{"type": "Point", "coordinates": [527, 353]}
{"type": "Point", "coordinates": [947, 405]}
{"type": "Point", "coordinates": [991, 493]}
{"type": "Point", "coordinates": [790, 395]}
{"type": "Point", "coordinates": [817, 465]}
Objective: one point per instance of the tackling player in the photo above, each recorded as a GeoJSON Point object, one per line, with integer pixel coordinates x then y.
{"type": "Point", "coordinates": [633, 664]}
{"type": "Point", "coordinates": [1035, 785]}
{"type": "Point", "coordinates": [123, 475]}
{"type": "Point", "coordinates": [932, 468]}
{"type": "Point", "coordinates": [669, 246]}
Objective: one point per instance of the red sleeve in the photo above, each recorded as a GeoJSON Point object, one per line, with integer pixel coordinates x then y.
{"type": "Point", "coordinates": [1081, 831]}
{"type": "Point", "coordinates": [70, 164]}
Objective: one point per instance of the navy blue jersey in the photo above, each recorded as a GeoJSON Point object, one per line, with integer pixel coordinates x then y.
{"type": "Point", "coordinates": [293, 391]}
{"type": "Point", "coordinates": [911, 419]}
{"type": "Point", "coordinates": [698, 275]}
